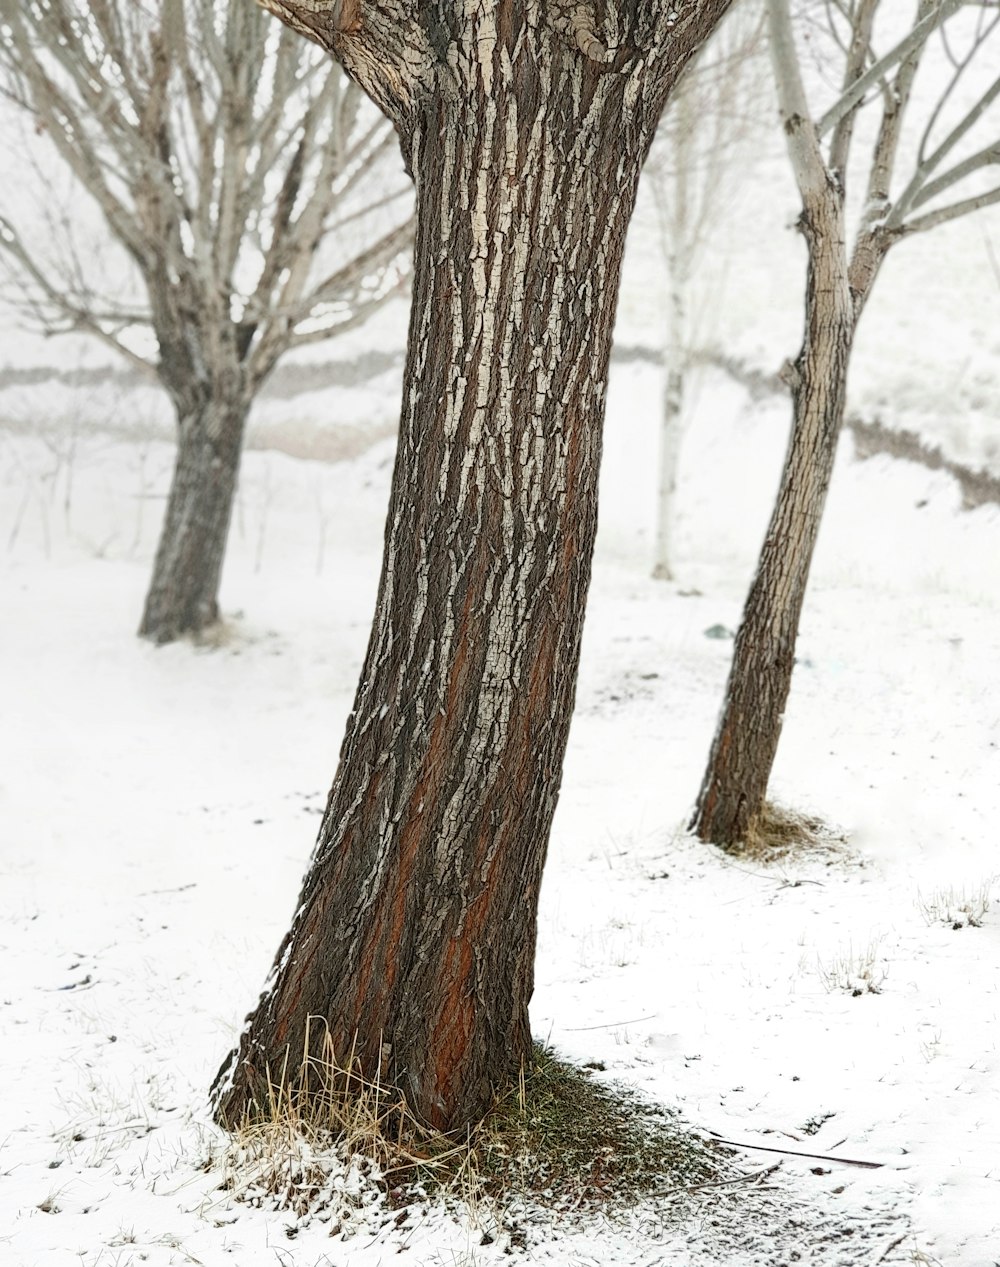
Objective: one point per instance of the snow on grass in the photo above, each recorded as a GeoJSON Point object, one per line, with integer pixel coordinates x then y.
{"type": "Point", "coordinates": [158, 807]}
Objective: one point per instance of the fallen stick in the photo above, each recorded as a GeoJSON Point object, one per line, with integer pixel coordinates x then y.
{"type": "Point", "coordinates": [755, 1177]}
{"type": "Point", "coordinates": [793, 1152]}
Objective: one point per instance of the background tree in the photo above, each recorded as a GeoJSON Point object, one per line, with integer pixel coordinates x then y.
{"type": "Point", "coordinates": [956, 144]}
{"type": "Point", "coordinates": [228, 161]}
{"type": "Point", "coordinates": [694, 171]}
{"type": "Point", "coordinates": [525, 126]}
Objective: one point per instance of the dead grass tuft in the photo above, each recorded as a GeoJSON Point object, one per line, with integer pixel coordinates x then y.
{"type": "Point", "coordinates": [781, 833]}
{"type": "Point", "coordinates": [329, 1138]}
{"type": "Point", "coordinates": [958, 906]}
{"type": "Point", "coordinates": [856, 972]}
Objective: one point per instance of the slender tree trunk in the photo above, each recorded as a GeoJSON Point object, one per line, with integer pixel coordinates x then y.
{"type": "Point", "coordinates": [413, 943]}
{"type": "Point", "coordinates": [734, 787]}
{"type": "Point", "coordinates": [671, 425]}
{"type": "Point", "coordinates": [183, 593]}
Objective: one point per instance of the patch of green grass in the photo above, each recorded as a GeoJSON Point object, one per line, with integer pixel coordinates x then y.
{"type": "Point", "coordinates": [561, 1136]}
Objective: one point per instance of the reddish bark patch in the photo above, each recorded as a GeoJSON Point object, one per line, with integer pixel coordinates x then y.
{"type": "Point", "coordinates": [378, 965]}
{"type": "Point", "coordinates": [449, 1044]}
{"type": "Point", "coordinates": [298, 973]}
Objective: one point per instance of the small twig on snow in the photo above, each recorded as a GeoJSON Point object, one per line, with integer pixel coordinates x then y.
{"type": "Point", "coordinates": [793, 1152]}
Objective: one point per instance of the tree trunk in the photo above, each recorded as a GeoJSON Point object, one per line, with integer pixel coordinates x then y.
{"type": "Point", "coordinates": [412, 946]}
{"type": "Point", "coordinates": [671, 423]}
{"type": "Point", "coordinates": [734, 787]}
{"type": "Point", "coordinates": [183, 593]}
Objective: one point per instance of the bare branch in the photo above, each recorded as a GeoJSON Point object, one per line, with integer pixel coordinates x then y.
{"type": "Point", "coordinates": [908, 199]}
{"type": "Point", "coordinates": [960, 65]}
{"type": "Point", "coordinates": [801, 135]}
{"type": "Point", "coordinates": [986, 157]}
{"type": "Point", "coordinates": [856, 54]}
{"type": "Point", "coordinates": [399, 241]}
{"type": "Point", "coordinates": [878, 70]}
{"type": "Point", "coordinates": [895, 102]}
{"type": "Point", "coordinates": [58, 313]}
{"type": "Point", "coordinates": [953, 212]}
{"type": "Point", "coordinates": [359, 312]}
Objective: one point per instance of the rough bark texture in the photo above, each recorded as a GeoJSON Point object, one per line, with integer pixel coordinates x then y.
{"type": "Point", "coordinates": [183, 592]}
{"type": "Point", "coordinates": [735, 783]}
{"type": "Point", "coordinates": [413, 942]}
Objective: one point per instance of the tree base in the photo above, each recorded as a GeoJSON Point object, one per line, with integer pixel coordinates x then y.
{"type": "Point", "coordinates": [556, 1138]}
{"type": "Point", "coordinates": [207, 628]}
{"type": "Point", "coordinates": [778, 833]}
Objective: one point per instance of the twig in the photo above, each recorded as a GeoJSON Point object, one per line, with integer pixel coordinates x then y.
{"type": "Point", "coordinates": [889, 1248]}
{"type": "Point", "coordinates": [579, 1029]}
{"type": "Point", "coordinates": [792, 1152]}
{"type": "Point", "coordinates": [754, 1177]}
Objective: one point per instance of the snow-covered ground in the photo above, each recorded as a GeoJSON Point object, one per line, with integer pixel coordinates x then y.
{"type": "Point", "coordinates": [158, 807]}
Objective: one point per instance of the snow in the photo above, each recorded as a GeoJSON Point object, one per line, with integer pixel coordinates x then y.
{"type": "Point", "coordinates": [158, 806]}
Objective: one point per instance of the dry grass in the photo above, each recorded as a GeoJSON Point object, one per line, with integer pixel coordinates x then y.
{"type": "Point", "coordinates": [958, 906]}
{"type": "Point", "coordinates": [857, 972]}
{"type": "Point", "coordinates": [329, 1137]}
{"type": "Point", "coordinates": [351, 1151]}
{"type": "Point", "coordinates": [782, 833]}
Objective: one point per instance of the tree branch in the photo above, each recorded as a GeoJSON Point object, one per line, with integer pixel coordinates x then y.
{"type": "Point", "coordinates": [895, 102]}
{"type": "Point", "coordinates": [801, 137]}
{"type": "Point", "coordinates": [986, 157]}
{"type": "Point", "coordinates": [953, 212]}
{"type": "Point", "coordinates": [878, 70]}
{"type": "Point", "coordinates": [857, 54]}
{"type": "Point", "coordinates": [908, 200]}
{"type": "Point", "coordinates": [384, 46]}
{"type": "Point", "coordinates": [60, 307]}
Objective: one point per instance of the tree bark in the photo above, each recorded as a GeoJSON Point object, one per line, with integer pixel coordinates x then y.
{"type": "Point", "coordinates": [183, 592]}
{"type": "Point", "coordinates": [412, 945]}
{"type": "Point", "coordinates": [734, 787]}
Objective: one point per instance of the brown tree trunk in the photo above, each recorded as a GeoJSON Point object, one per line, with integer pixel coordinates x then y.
{"type": "Point", "coordinates": [734, 787]}
{"type": "Point", "coordinates": [413, 942]}
{"type": "Point", "coordinates": [183, 593]}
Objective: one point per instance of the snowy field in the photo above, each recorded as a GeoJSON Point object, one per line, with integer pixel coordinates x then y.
{"type": "Point", "coordinates": [158, 806]}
